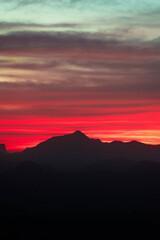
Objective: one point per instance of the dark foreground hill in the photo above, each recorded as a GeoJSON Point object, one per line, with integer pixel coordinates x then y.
{"type": "Point", "coordinates": [75, 177]}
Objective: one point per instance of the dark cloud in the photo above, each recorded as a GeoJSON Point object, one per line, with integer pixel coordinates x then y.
{"type": "Point", "coordinates": [5, 25]}
{"type": "Point", "coordinates": [71, 40]}
{"type": "Point", "coordinates": [18, 40]}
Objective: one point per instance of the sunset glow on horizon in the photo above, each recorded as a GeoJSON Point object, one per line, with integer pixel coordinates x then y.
{"type": "Point", "coordinates": [68, 65]}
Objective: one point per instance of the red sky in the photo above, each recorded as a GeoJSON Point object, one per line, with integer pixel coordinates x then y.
{"type": "Point", "coordinates": [108, 89]}
{"type": "Point", "coordinates": [18, 134]}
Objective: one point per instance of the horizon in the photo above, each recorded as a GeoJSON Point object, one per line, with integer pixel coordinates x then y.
{"type": "Point", "coordinates": [72, 64]}
{"type": "Point", "coordinates": [71, 133]}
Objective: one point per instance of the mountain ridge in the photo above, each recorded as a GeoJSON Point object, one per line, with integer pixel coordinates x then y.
{"type": "Point", "coordinates": [76, 150]}
{"type": "Point", "coordinates": [81, 135]}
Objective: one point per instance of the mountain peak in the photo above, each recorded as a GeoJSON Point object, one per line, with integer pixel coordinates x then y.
{"type": "Point", "coordinates": [78, 134]}
{"type": "Point", "coordinates": [3, 148]}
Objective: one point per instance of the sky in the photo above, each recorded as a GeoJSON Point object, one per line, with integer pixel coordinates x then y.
{"type": "Point", "coordinates": [89, 65]}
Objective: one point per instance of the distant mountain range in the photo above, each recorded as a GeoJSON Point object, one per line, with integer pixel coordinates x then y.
{"type": "Point", "coordinates": [76, 150]}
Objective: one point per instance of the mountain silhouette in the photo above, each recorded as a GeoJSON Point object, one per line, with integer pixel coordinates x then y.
{"type": "Point", "coordinates": [65, 152]}
{"type": "Point", "coordinates": [3, 149]}
{"type": "Point", "coordinates": [76, 150]}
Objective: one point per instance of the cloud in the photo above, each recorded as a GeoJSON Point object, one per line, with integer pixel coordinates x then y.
{"type": "Point", "coordinates": [53, 39]}
{"type": "Point", "coordinates": [5, 25]}
{"type": "Point", "coordinates": [76, 40]}
{"type": "Point", "coordinates": [80, 63]}
{"type": "Point", "coordinates": [30, 2]}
